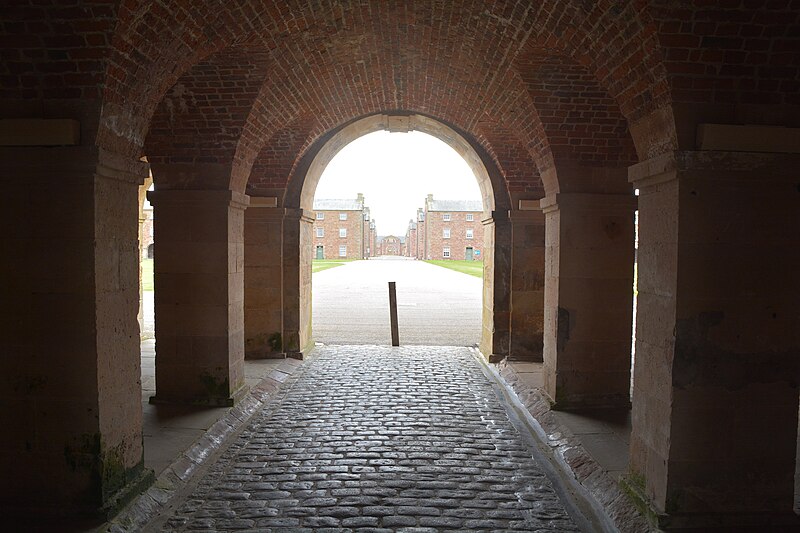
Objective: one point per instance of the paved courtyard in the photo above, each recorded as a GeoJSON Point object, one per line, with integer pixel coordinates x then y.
{"type": "Point", "coordinates": [435, 305]}
{"type": "Point", "coordinates": [374, 438]}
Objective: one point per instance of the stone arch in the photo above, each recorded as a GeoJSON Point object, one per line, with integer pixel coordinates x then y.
{"type": "Point", "coordinates": [300, 193]}
{"type": "Point", "coordinates": [497, 235]}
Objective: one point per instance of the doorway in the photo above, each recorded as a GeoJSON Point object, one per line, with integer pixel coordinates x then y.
{"type": "Point", "coordinates": [468, 254]}
{"type": "Point", "coordinates": [320, 252]}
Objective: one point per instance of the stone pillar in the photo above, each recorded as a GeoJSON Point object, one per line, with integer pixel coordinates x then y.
{"type": "Point", "coordinates": [715, 401]}
{"type": "Point", "coordinates": [527, 285]}
{"type": "Point", "coordinates": [297, 254]}
{"type": "Point", "coordinates": [495, 336]}
{"type": "Point", "coordinates": [263, 279]}
{"type": "Point", "coordinates": [140, 314]}
{"type": "Point", "coordinates": [588, 299]}
{"type": "Point", "coordinates": [71, 395]}
{"type": "Point", "coordinates": [199, 295]}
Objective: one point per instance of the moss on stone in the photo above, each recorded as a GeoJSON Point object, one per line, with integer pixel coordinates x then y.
{"type": "Point", "coordinates": [275, 342]}
{"type": "Point", "coordinates": [215, 388]}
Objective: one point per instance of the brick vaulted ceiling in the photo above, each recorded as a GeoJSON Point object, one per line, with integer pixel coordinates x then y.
{"type": "Point", "coordinates": [250, 85]}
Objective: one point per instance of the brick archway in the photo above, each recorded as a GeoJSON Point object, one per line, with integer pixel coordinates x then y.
{"type": "Point", "coordinates": [299, 198]}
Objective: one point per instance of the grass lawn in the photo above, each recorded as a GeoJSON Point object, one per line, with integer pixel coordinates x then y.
{"type": "Point", "coordinates": [473, 268]}
{"type": "Point", "coordinates": [147, 274]}
{"type": "Point", "coordinates": [318, 265]}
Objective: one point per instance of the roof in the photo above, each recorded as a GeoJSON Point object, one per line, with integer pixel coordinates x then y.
{"type": "Point", "coordinates": [455, 205]}
{"type": "Point", "coordinates": [331, 204]}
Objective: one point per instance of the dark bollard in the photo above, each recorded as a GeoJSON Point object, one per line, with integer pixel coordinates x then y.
{"type": "Point", "coordinates": [393, 313]}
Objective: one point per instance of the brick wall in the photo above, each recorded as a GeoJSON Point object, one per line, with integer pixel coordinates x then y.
{"type": "Point", "coordinates": [331, 239]}
{"type": "Point", "coordinates": [410, 249]}
{"type": "Point", "coordinates": [457, 242]}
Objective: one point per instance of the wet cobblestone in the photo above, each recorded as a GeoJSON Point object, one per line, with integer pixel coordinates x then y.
{"type": "Point", "coordinates": [375, 438]}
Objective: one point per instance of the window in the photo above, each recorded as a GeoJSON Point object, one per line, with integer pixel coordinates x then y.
{"type": "Point", "coordinates": [320, 216]}
{"type": "Point", "coordinates": [469, 234]}
{"type": "Point", "coordinates": [470, 217]}
{"type": "Point", "coordinates": [342, 216]}
{"type": "Point", "coordinates": [342, 232]}
{"type": "Point", "coordinates": [446, 233]}
{"type": "Point", "coordinates": [446, 252]}
{"type": "Point", "coordinates": [320, 232]}
{"type": "Point", "coordinates": [343, 251]}
{"type": "Point", "coordinates": [446, 217]}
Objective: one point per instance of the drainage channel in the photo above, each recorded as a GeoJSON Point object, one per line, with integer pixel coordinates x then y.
{"type": "Point", "coordinates": [584, 509]}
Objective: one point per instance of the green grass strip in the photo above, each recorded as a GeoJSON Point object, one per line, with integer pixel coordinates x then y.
{"type": "Point", "coordinates": [473, 268]}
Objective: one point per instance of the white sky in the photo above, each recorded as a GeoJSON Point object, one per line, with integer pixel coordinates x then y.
{"type": "Point", "coordinates": [395, 172]}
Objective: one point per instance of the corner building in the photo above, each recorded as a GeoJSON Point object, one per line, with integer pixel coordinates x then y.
{"type": "Point", "coordinates": [342, 229]}
{"type": "Point", "coordinates": [453, 230]}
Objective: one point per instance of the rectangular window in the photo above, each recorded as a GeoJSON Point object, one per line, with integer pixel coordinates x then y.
{"type": "Point", "coordinates": [320, 232]}
{"type": "Point", "coordinates": [446, 217]}
{"type": "Point", "coordinates": [446, 233]}
{"type": "Point", "coordinates": [469, 234]}
{"type": "Point", "coordinates": [470, 217]}
{"type": "Point", "coordinates": [342, 232]}
{"type": "Point", "coordinates": [343, 251]}
{"type": "Point", "coordinates": [446, 252]}
{"type": "Point", "coordinates": [342, 216]}
{"type": "Point", "coordinates": [320, 216]}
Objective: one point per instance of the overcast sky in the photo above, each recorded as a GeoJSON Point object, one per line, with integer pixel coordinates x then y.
{"type": "Point", "coordinates": [396, 171]}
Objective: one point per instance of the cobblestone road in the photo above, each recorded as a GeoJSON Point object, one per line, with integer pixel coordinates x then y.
{"type": "Point", "coordinates": [372, 438]}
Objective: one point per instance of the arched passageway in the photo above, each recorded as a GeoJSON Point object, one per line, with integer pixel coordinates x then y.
{"type": "Point", "coordinates": [566, 103]}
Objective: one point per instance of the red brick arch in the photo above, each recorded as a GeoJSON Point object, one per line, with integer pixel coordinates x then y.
{"type": "Point", "coordinates": [453, 60]}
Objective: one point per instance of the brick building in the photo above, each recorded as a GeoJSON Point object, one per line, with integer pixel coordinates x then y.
{"type": "Point", "coordinates": [372, 240]}
{"type": "Point", "coordinates": [448, 229]}
{"type": "Point", "coordinates": [391, 245]}
{"type": "Point", "coordinates": [411, 243]}
{"type": "Point", "coordinates": [342, 229]}
{"type": "Point", "coordinates": [146, 239]}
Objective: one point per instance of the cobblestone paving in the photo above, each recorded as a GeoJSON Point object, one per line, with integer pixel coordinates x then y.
{"type": "Point", "coordinates": [372, 438]}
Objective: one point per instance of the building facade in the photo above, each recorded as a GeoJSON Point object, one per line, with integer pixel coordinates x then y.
{"type": "Point", "coordinates": [391, 245]}
{"type": "Point", "coordinates": [448, 229]}
{"type": "Point", "coordinates": [342, 229]}
{"type": "Point", "coordinates": [411, 247]}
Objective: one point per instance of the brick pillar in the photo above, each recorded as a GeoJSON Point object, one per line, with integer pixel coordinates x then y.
{"type": "Point", "coordinates": [527, 285]}
{"type": "Point", "coordinates": [495, 336]}
{"type": "Point", "coordinates": [199, 295]}
{"type": "Point", "coordinates": [588, 299]}
{"type": "Point", "coordinates": [263, 280]}
{"type": "Point", "coordinates": [71, 400]}
{"type": "Point", "coordinates": [297, 254]}
{"type": "Point", "coordinates": [715, 401]}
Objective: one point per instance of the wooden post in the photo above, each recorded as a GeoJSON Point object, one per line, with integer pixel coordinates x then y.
{"type": "Point", "coordinates": [393, 313]}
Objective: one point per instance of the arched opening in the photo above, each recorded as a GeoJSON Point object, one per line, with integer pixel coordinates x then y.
{"type": "Point", "coordinates": [495, 203]}
{"type": "Point", "coordinates": [403, 208]}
